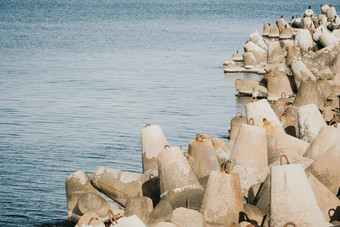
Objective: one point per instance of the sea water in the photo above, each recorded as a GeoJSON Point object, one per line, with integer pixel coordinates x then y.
{"type": "Point", "coordinates": [79, 79]}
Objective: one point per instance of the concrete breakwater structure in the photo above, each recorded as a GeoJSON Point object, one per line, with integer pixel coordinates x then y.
{"type": "Point", "coordinates": [281, 166]}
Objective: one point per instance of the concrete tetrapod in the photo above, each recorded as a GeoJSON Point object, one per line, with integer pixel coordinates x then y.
{"type": "Point", "coordinates": [90, 220]}
{"type": "Point", "coordinates": [259, 53]}
{"type": "Point", "coordinates": [128, 222]}
{"type": "Point", "coordinates": [222, 149]}
{"type": "Point", "coordinates": [331, 13]}
{"type": "Point", "coordinates": [258, 40]}
{"type": "Point", "coordinates": [325, 198]}
{"type": "Point", "coordinates": [249, 60]}
{"type": "Point", "coordinates": [309, 92]}
{"type": "Point", "coordinates": [250, 148]}
{"type": "Point", "coordinates": [300, 72]}
{"type": "Point", "coordinates": [266, 30]}
{"type": "Point", "coordinates": [186, 217]}
{"type": "Point", "coordinates": [140, 206]}
{"type": "Point", "coordinates": [324, 8]}
{"type": "Point", "coordinates": [161, 213]}
{"type": "Point", "coordinates": [222, 202]}
{"type": "Point", "coordinates": [262, 197]}
{"type": "Point", "coordinates": [327, 137]}
{"type": "Point", "coordinates": [177, 180]}
{"type": "Point", "coordinates": [328, 39]}
{"type": "Point", "coordinates": [235, 125]}
{"type": "Point", "coordinates": [153, 141]}
{"type": "Point", "coordinates": [249, 154]}
{"type": "Point", "coordinates": [252, 214]}
{"type": "Point", "coordinates": [326, 168]}
{"type": "Point", "coordinates": [259, 110]}
{"type": "Point", "coordinates": [247, 87]}
{"type": "Point", "coordinates": [279, 143]}
{"type": "Point", "coordinates": [310, 122]}
{"type": "Point", "coordinates": [275, 53]}
{"type": "Point", "coordinates": [118, 185]}
{"type": "Point", "coordinates": [292, 198]}
{"type": "Point", "coordinates": [165, 224]}
{"type": "Point", "coordinates": [83, 198]}
{"type": "Point", "coordinates": [290, 121]}
{"type": "Point", "coordinates": [278, 83]}
{"type": "Point", "coordinates": [205, 159]}
{"type": "Point", "coordinates": [304, 40]}
{"type": "Point", "coordinates": [281, 23]}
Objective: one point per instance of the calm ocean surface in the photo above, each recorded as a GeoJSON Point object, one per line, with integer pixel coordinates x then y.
{"type": "Point", "coordinates": [79, 80]}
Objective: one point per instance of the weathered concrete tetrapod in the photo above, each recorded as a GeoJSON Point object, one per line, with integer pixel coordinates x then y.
{"type": "Point", "coordinates": [274, 33]}
{"type": "Point", "coordinates": [205, 159]}
{"type": "Point", "coordinates": [252, 214]}
{"type": "Point", "coordinates": [300, 72]}
{"type": "Point", "coordinates": [118, 185]}
{"type": "Point", "coordinates": [165, 224]}
{"type": "Point", "coordinates": [249, 154]}
{"type": "Point", "coordinates": [177, 180]}
{"type": "Point", "coordinates": [279, 143]}
{"type": "Point", "coordinates": [235, 125]}
{"type": "Point", "coordinates": [331, 13]}
{"type": "Point", "coordinates": [153, 141]}
{"type": "Point", "coordinates": [259, 110]}
{"type": "Point", "coordinates": [308, 93]}
{"type": "Point", "coordinates": [281, 23]}
{"type": "Point", "coordinates": [83, 198]}
{"type": "Point", "coordinates": [290, 121]}
{"type": "Point", "coordinates": [309, 12]}
{"type": "Point", "coordinates": [259, 53]}
{"type": "Point", "coordinates": [310, 122]}
{"type": "Point", "coordinates": [249, 60]}
{"type": "Point", "coordinates": [128, 222]}
{"type": "Point", "coordinates": [324, 8]}
{"type": "Point", "coordinates": [222, 201]}
{"type": "Point", "coordinates": [140, 206]}
{"type": "Point", "coordinates": [325, 198]}
{"type": "Point", "coordinates": [327, 137]}
{"type": "Point", "coordinates": [266, 30]}
{"type": "Point", "coordinates": [278, 83]}
{"type": "Point", "coordinates": [275, 53]}
{"type": "Point", "coordinates": [258, 40]}
{"type": "Point", "coordinates": [222, 149]}
{"type": "Point", "coordinates": [326, 168]}
{"type": "Point", "coordinates": [90, 220]}
{"type": "Point", "coordinates": [237, 57]}
{"type": "Point", "coordinates": [250, 147]}
{"type": "Point", "coordinates": [292, 198]}
{"type": "Point", "coordinates": [304, 40]}
{"type": "Point", "coordinates": [161, 213]}
{"type": "Point", "coordinates": [286, 33]}
{"type": "Point", "coordinates": [186, 217]}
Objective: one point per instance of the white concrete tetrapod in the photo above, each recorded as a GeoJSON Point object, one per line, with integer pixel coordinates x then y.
{"type": "Point", "coordinates": [153, 141]}
{"type": "Point", "coordinates": [310, 122]}
{"type": "Point", "coordinates": [83, 198]}
{"type": "Point", "coordinates": [222, 200]}
{"type": "Point", "coordinates": [177, 179]}
{"type": "Point", "coordinates": [327, 137]}
{"type": "Point", "coordinates": [118, 185]}
{"type": "Point", "coordinates": [292, 198]}
{"type": "Point", "coordinates": [205, 159]}
{"type": "Point", "coordinates": [186, 217]}
{"type": "Point", "coordinates": [326, 168]}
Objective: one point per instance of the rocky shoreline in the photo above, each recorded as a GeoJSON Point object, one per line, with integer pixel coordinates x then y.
{"type": "Point", "coordinates": [280, 167]}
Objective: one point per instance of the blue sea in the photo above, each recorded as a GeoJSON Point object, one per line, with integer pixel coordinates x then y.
{"type": "Point", "coordinates": [79, 79]}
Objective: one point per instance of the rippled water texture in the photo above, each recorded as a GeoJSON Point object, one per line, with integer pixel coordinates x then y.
{"type": "Point", "coordinates": [79, 79]}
